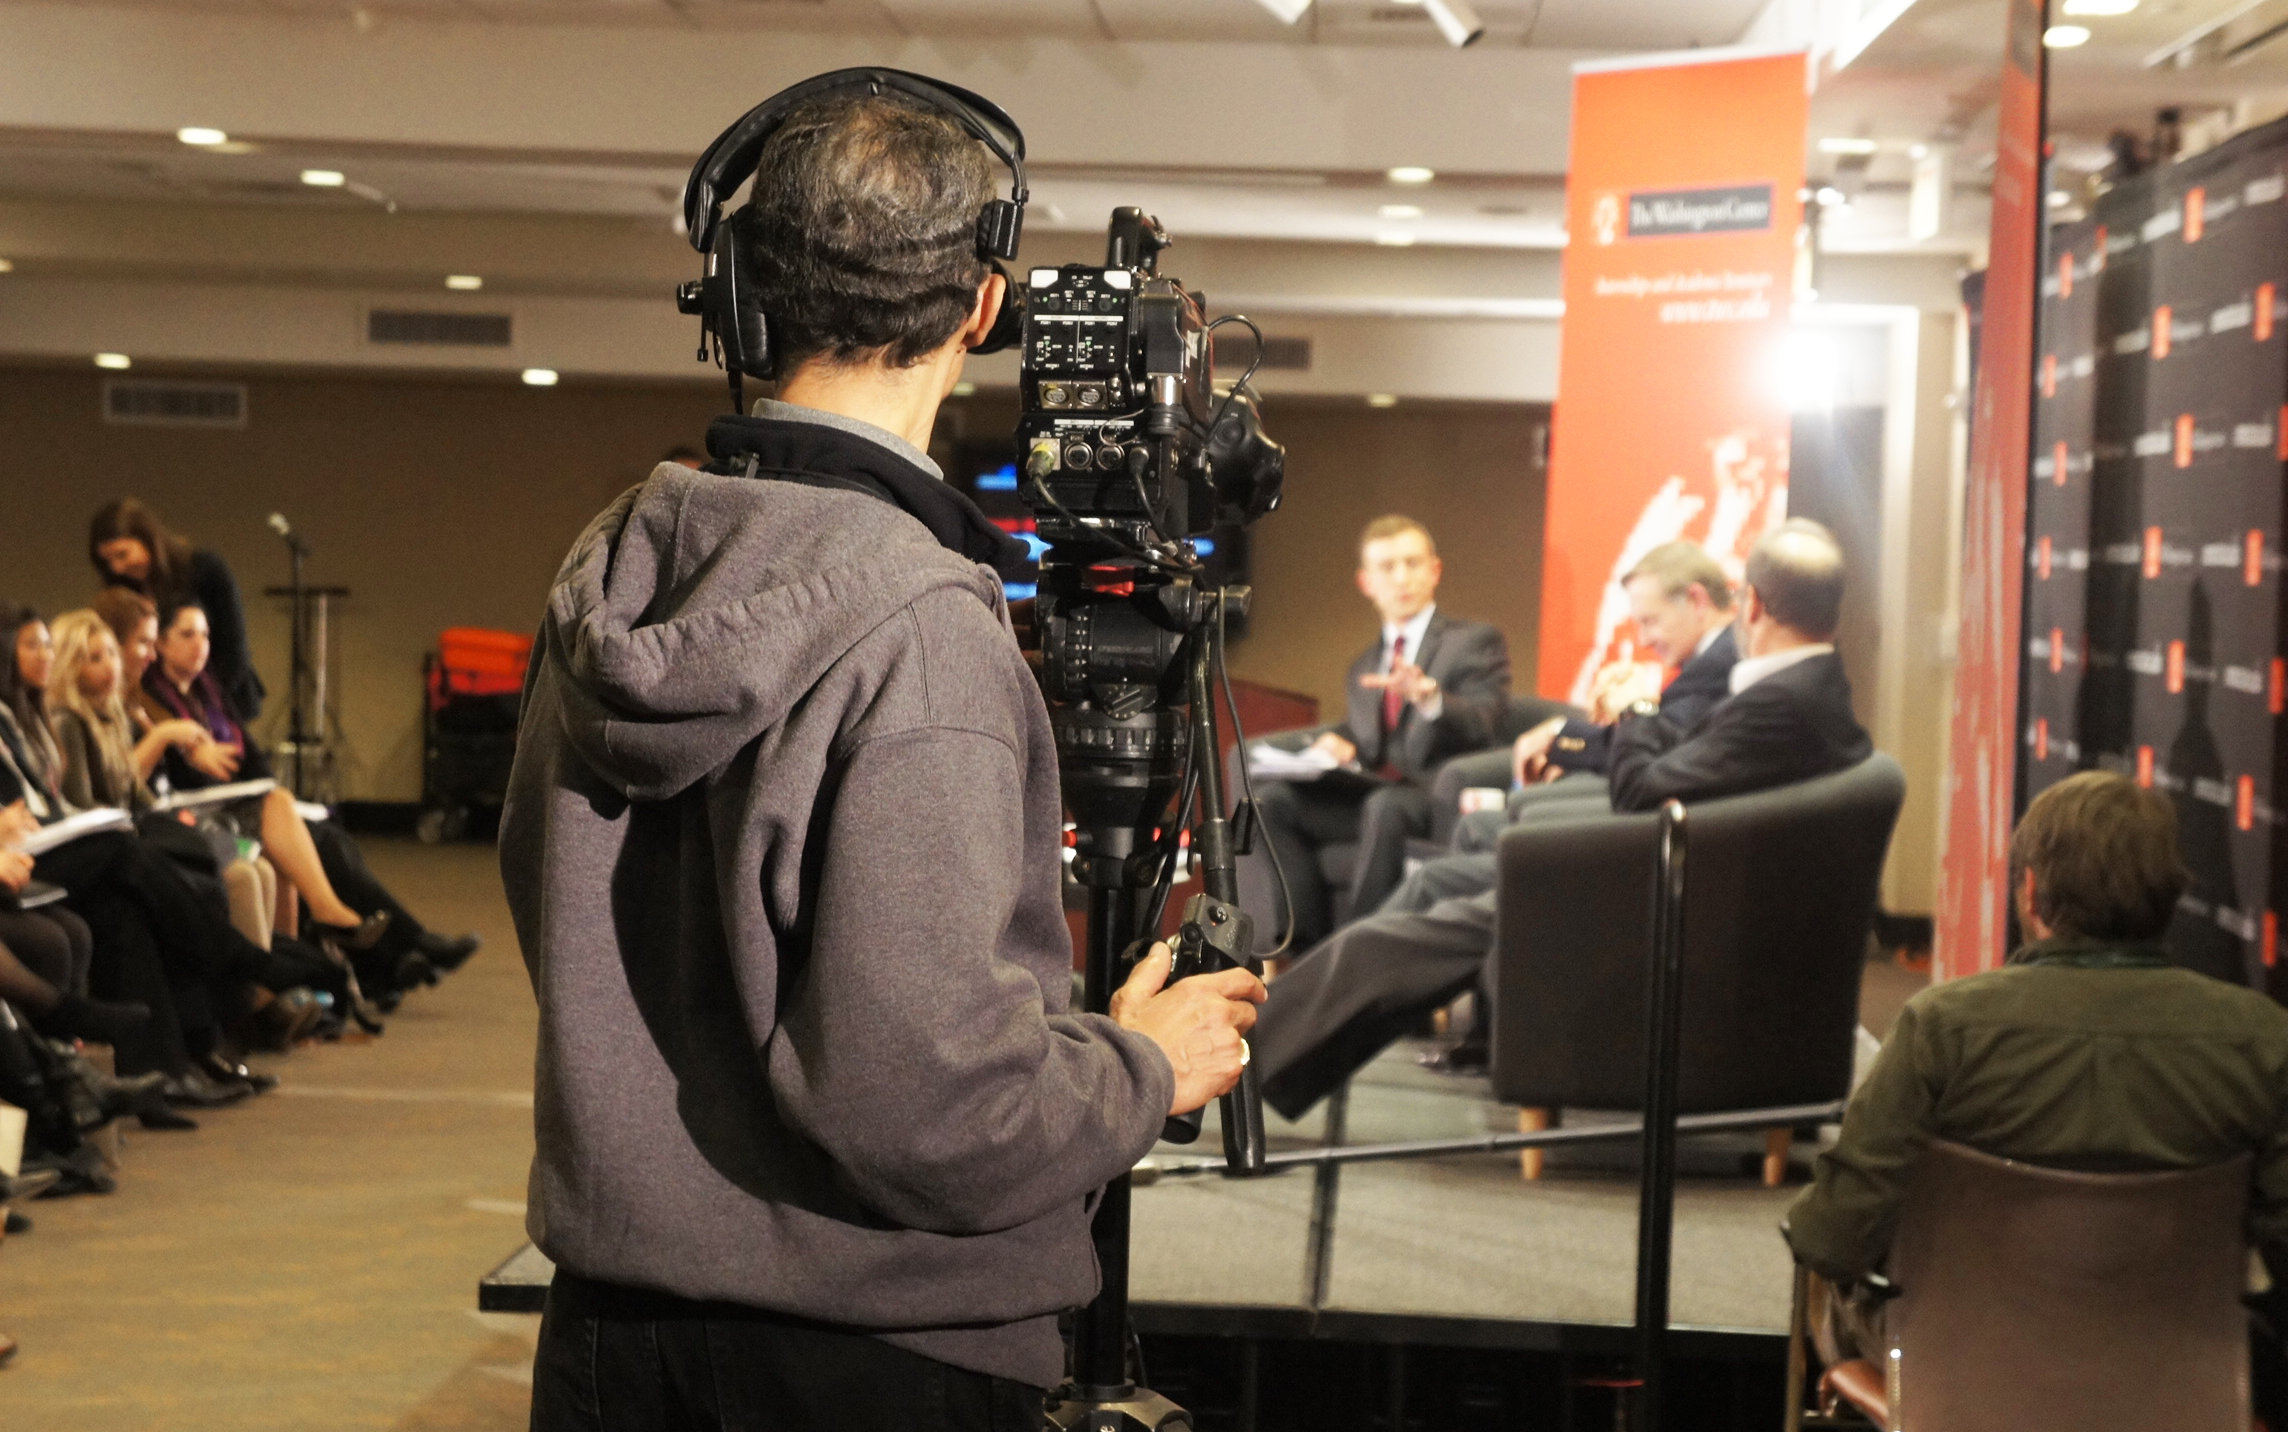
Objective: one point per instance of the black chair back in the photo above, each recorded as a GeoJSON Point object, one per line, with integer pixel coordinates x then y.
{"type": "Point", "coordinates": [1781, 889]}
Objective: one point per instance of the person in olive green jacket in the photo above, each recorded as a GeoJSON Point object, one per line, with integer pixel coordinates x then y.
{"type": "Point", "coordinates": [2086, 1051]}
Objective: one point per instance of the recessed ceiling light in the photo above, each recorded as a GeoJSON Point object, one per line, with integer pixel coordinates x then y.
{"type": "Point", "coordinates": [465, 282]}
{"type": "Point", "coordinates": [1400, 211]}
{"type": "Point", "coordinates": [1410, 174]}
{"type": "Point", "coordinates": [113, 360]}
{"type": "Point", "coordinates": [199, 134]}
{"type": "Point", "coordinates": [2100, 7]}
{"type": "Point", "coordinates": [1382, 400]}
{"type": "Point", "coordinates": [1394, 241]}
{"type": "Point", "coordinates": [2065, 37]}
{"type": "Point", "coordinates": [323, 178]}
{"type": "Point", "coordinates": [1846, 144]}
{"type": "Point", "coordinates": [540, 377]}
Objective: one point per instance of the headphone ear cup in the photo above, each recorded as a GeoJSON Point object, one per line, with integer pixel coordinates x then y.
{"type": "Point", "coordinates": [734, 309]}
{"type": "Point", "coordinates": [1008, 328]}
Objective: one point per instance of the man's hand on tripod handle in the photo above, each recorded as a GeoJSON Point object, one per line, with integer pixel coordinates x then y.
{"type": "Point", "coordinates": [1200, 1023]}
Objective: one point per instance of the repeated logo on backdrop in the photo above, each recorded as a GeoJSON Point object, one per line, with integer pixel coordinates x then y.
{"type": "Point", "coordinates": [2155, 596]}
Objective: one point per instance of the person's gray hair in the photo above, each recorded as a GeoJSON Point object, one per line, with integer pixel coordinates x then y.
{"type": "Point", "coordinates": [861, 232]}
{"type": "Point", "coordinates": [1797, 572]}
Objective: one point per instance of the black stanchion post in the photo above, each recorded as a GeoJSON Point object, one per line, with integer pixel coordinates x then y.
{"type": "Point", "coordinates": [1656, 1200]}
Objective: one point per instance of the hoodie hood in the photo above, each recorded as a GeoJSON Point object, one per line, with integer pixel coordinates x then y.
{"type": "Point", "coordinates": [698, 609]}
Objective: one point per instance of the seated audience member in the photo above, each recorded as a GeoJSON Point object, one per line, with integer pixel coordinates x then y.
{"type": "Point", "coordinates": [130, 547]}
{"type": "Point", "coordinates": [1431, 687]}
{"type": "Point", "coordinates": [45, 957]}
{"type": "Point", "coordinates": [2086, 1051]}
{"type": "Point", "coordinates": [392, 950]}
{"type": "Point", "coordinates": [1788, 719]}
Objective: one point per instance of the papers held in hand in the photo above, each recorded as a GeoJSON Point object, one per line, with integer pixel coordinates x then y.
{"type": "Point", "coordinates": [215, 795]}
{"type": "Point", "coordinates": [72, 827]}
{"type": "Point", "coordinates": [1266, 762]}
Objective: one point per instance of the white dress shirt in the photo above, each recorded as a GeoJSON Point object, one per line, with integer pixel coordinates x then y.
{"type": "Point", "coordinates": [1412, 629]}
{"type": "Point", "coordinates": [1751, 669]}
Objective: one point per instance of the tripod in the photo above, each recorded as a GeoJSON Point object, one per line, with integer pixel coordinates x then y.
{"type": "Point", "coordinates": [1126, 849]}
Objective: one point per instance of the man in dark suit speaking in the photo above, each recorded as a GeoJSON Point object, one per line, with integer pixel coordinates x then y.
{"type": "Point", "coordinates": [1430, 688]}
{"type": "Point", "coordinates": [1788, 719]}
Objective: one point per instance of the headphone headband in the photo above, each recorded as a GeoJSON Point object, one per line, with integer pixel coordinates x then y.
{"type": "Point", "coordinates": [735, 153]}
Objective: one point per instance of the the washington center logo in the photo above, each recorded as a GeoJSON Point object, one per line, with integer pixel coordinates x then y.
{"type": "Point", "coordinates": [1605, 218]}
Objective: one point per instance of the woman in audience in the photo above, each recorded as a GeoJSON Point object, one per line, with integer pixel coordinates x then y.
{"type": "Point", "coordinates": [176, 685]}
{"type": "Point", "coordinates": [131, 547]}
{"type": "Point", "coordinates": [45, 956]}
{"type": "Point", "coordinates": [104, 765]}
{"type": "Point", "coordinates": [103, 760]}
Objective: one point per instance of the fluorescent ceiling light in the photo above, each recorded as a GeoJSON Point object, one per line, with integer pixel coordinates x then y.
{"type": "Point", "coordinates": [540, 377]}
{"type": "Point", "coordinates": [323, 178]}
{"type": "Point", "coordinates": [1410, 174]}
{"type": "Point", "coordinates": [1394, 240]}
{"type": "Point", "coordinates": [2100, 7]}
{"type": "Point", "coordinates": [1845, 144]}
{"type": "Point", "coordinates": [464, 282]}
{"type": "Point", "coordinates": [1457, 21]}
{"type": "Point", "coordinates": [199, 134]}
{"type": "Point", "coordinates": [113, 360]}
{"type": "Point", "coordinates": [1400, 211]}
{"type": "Point", "coordinates": [1288, 11]}
{"type": "Point", "coordinates": [1382, 400]}
{"type": "Point", "coordinates": [2065, 37]}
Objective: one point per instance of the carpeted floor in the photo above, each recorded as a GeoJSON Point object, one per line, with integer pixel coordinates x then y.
{"type": "Point", "coordinates": [307, 1260]}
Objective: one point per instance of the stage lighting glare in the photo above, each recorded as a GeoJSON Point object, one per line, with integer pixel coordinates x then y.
{"type": "Point", "coordinates": [463, 282]}
{"type": "Point", "coordinates": [2065, 37]}
{"type": "Point", "coordinates": [1457, 20]}
{"type": "Point", "coordinates": [201, 136]}
{"type": "Point", "coordinates": [1807, 372]}
{"type": "Point", "coordinates": [1410, 174]}
{"type": "Point", "coordinates": [1400, 211]}
{"type": "Point", "coordinates": [1846, 144]}
{"type": "Point", "coordinates": [1394, 240]}
{"type": "Point", "coordinates": [114, 361]}
{"type": "Point", "coordinates": [2100, 7]}
{"type": "Point", "coordinates": [540, 377]}
{"type": "Point", "coordinates": [324, 178]}
{"type": "Point", "coordinates": [1288, 11]}
{"type": "Point", "coordinates": [1382, 400]}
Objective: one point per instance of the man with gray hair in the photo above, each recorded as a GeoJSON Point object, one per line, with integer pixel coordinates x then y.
{"type": "Point", "coordinates": [1787, 718]}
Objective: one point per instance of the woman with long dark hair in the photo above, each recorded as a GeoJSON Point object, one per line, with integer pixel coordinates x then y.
{"type": "Point", "coordinates": [131, 547]}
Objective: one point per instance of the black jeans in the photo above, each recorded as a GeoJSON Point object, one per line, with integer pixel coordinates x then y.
{"type": "Point", "coordinates": [618, 1359]}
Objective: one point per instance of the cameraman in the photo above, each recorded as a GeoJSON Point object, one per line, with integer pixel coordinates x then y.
{"type": "Point", "coordinates": [818, 1135]}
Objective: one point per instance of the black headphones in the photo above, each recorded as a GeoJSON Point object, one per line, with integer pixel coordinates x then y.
{"type": "Point", "coordinates": [728, 309]}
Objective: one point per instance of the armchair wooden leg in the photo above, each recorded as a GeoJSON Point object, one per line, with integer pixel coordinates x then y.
{"type": "Point", "coordinates": [1776, 1145]}
{"type": "Point", "coordinates": [1533, 1121]}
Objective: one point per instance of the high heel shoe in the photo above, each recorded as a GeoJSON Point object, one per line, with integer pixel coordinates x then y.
{"type": "Point", "coordinates": [364, 935]}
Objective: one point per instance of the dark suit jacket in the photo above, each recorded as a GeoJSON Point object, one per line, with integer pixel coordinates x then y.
{"type": "Point", "coordinates": [1794, 724]}
{"type": "Point", "coordinates": [1470, 662]}
{"type": "Point", "coordinates": [1703, 680]}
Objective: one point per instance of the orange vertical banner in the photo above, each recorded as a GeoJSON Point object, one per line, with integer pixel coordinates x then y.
{"type": "Point", "coordinates": [1683, 206]}
{"type": "Point", "coordinates": [1982, 755]}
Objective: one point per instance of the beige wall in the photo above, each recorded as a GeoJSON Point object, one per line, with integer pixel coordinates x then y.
{"type": "Point", "coordinates": [449, 501]}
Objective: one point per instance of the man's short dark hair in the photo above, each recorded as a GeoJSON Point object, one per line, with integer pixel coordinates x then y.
{"type": "Point", "coordinates": [1797, 569]}
{"type": "Point", "coordinates": [2104, 855]}
{"type": "Point", "coordinates": [1678, 566]}
{"type": "Point", "coordinates": [862, 230]}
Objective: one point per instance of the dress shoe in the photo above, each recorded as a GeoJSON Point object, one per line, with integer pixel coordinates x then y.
{"type": "Point", "coordinates": [364, 935]}
{"type": "Point", "coordinates": [448, 954]}
{"type": "Point", "coordinates": [1457, 1059]}
{"type": "Point", "coordinates": [18, 1224]}
{"type": "Point", "coordinates": [164, 1119]}
{"type": "Point", "coordinates": [193, 1089]}
{"type": "Point", "coordinates": [226, 1072]}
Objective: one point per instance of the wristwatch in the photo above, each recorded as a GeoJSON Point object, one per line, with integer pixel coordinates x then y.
{"type": "Point", "coordinates": [1642, 708]}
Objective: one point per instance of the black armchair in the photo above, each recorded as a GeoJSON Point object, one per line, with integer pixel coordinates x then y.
{"type": "Point", "coordinates": [1489, 767]}
{"type": "Point", "coordinates": [1781, 893]}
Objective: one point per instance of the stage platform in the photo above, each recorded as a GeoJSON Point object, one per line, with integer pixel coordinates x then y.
{"type": "Point", "coordinates": [1449, 1252]}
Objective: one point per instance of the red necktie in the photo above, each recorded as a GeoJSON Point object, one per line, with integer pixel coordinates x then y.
{"type": "Point", "coordinates": [1394, 704]}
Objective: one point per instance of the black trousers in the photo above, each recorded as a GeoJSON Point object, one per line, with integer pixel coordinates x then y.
{"type": "Point", "coordinates": [1302, 818]}
{"type": "Point", "coordinates": [360, 888]}
{"type": "Point", "coordinates": [618, 1359]}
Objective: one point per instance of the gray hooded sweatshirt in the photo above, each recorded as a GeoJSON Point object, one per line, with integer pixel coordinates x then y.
{"type": "Point", "coordinates": [782, 847]}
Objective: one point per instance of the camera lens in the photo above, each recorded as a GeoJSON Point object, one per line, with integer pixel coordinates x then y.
{"type": "Point", "coordinates": [1077, 457]}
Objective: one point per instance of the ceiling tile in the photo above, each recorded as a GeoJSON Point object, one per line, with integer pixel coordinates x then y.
{"type": "Point", "coordinates": [1641, 24]}
{"type": "Point", "coordinates": [998, 19]}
